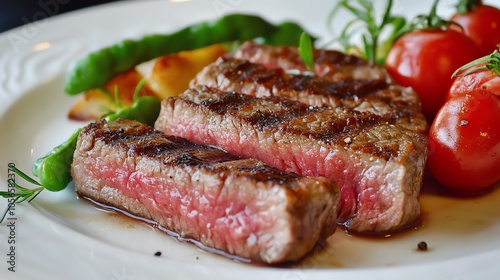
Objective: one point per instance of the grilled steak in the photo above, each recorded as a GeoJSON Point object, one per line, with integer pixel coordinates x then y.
{"type": "Point", "coordinates": [239, 206]}
{"type": "Point", "coordinates": [376, 96]}
{"type": "Point", "coordinates": [377, 164]}
{"type": "Point", "coordinates": [327, 63]}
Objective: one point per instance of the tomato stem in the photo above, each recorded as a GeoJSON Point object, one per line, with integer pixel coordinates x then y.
{"type": "Point", "coordinates": [430, 21]}
{"type": "Point", "coordinates": [490, 62]}
{"type": "Point", "coordinates": [465, 6]}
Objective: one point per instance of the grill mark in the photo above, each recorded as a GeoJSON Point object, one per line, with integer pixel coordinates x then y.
{"type": "Point", "coordinates": [374, 95]}
{"type": "Point", "coordinates": [268, 173]}
{"type": "Point", "coordinates": [245, 71]}
{"type": "Point", "coordinates": [385, 152]}
{"type": "Point", "coordinates": [339, 59]}
{"type": "Point", "coordinates": [333, 125]}
{"type": "Point", "coordinates": [263, 113]}
{"type": "Point", "coordinates": [152, 148]}
{"type": "Point", "coordinates": [321, 86]}
{"type": "Point", "coordinates": [322, 57]}
{"type": "Point", "coordinates": [223, 103]}
{"type": "Point", "coordinates": [264, 119]}
{"type": "Point", "coordinates": [281, 111]}
{"type": "Point", "coordinates": [144, 142]}
{"type": "Point", "coordinates": [141, 140]}
{"type": "Point", "coordinates": [337, 131]}
{"type": "Point", "coordinates": [276, 80]}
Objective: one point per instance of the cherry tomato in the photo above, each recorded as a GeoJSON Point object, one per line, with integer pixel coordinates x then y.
{"type": "Point", "coordinates": [426, 59]}
{"type": "Point", "coordinates": [482, 24]}
{"type": "Point", "coordinates": [484, 79]}
{"type": "Point", "coordinates": [464, 142]}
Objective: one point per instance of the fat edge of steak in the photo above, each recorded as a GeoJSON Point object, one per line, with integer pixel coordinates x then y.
{"type": "Point", "coordinates": [378, 165]}
{"type": "Point", "coordinates": [239, 206]}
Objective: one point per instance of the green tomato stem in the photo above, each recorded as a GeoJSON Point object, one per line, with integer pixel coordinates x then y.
{"type": "Point", "coordinates": [465, 6]}
{"type": "Point", "coordinates": [490, 62]}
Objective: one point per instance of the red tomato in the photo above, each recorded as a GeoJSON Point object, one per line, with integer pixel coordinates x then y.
{"type": "Point", "coordinates": [426, 59]}
{"type": "Point", "coordinates": [482, 24]}
{"type": "Point", "coordinates": [464, 142]}
{"type": "Point", "coordinates": [484, 79]}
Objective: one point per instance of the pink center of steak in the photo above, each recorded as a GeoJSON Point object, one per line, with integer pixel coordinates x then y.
{"type": "Point", "coordinates": [223, 218]}
{"type": "Point", "coordinates": [377, 165]}
{"type": "Point", "coordinates": [239, 206]}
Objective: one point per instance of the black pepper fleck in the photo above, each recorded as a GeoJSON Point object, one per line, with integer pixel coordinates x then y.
{"type": "Point", "coordinates": [422, 246]}
{"type": "Point", "coordinates": [157, 254]}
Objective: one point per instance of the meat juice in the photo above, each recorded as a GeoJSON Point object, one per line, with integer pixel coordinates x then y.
{"type": "Point", "coordinates": [449, 225]}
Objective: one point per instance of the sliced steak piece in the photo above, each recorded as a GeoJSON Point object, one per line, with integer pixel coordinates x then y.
{"type": "Point", "coordinates": [238, 206]}
{"type": "Point", "coordinates": [375, 96]}
{"type": "Point", "coordinates": [378, 165]}
{"type": "Point", "coordinates": [327, 63]}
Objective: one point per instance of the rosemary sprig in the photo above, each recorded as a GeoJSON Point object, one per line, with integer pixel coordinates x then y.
{"type": "Point", "coordinates": [117, 103]}
{"type": "Point", "coordinates": [138, 88]}
{"type": "Point", "coordinates": [117, 100]}
{"type": "Point", "coordinates": [366, 20]}
{"type": "Point", "coordinates": [21, 193]}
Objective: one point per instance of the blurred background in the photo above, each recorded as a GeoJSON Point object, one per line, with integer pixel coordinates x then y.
{"type": "Point", "coordinates": [15, 13]}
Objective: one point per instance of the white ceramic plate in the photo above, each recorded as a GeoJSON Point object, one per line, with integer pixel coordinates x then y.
{"type": "Point", "coordinates": [62, 237]}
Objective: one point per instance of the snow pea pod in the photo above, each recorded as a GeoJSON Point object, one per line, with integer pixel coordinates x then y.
{"type": "Point", "coordinates": [54, 169]}
{"type": "Point", "coordinates": [95, 69]}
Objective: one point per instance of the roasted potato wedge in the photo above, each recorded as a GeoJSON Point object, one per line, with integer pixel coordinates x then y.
{"type": "Point", "coordinates": [170, 75]}
{"type": "Point", "coordinates": [165, 76]}
{"type": "Point", "coordinates": [97, 102]}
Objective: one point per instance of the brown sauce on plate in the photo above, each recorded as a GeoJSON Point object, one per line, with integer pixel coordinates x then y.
{"type": "Point", "coordinates": [442, 214]}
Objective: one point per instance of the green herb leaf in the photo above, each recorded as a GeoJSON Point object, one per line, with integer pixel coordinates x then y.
{"type": "Point", "coordinates": [118, 102]}
{"type": "Point", "coordinates": [370, 28]}
{"type": "Point", "coordinates": [306, 50]}
{"type": "Point", "coordinates": [138, 88]}
{"type": "Point", "coordinates": [21, 193]}
{"type": "Point", "coordinates": [24, 175]}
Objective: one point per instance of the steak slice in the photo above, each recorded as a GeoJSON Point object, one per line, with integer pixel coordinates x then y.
{"type": "Point", "coordinates": [378, 165]}
{"type": "Point", "coordinates": [375, 96]}
{"type": "Point", "coordinates": [327, 63]}
{"type": "Point", "coordinates": [238, 206]}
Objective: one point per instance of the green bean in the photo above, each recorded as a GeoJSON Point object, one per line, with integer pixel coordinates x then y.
{"type": "Point", "coordinates": [54, 169]}
{"type": "Point", "coordinates": [95, 69]}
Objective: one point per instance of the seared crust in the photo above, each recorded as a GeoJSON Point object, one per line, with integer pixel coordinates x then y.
{"type": "Point", "coordinates": [238, 206]}
{"type": "Point", "coordinates": [331, 64]}
{"type": "Point", "coordinates": [365, 95]}
{"type": "Point", "coordinates": [378, 164]}
{"type": "Point", "coordinates": [324, 124]}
